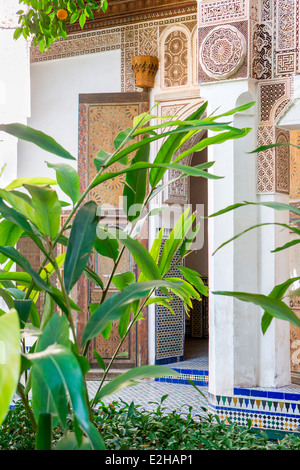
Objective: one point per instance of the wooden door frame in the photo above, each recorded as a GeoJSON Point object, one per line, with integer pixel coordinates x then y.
{"type": "Point", "coordinates": [83, 300]}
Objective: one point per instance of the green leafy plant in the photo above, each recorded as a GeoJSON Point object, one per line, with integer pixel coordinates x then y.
{"type": "Point", "coordinates": [128, 426]}
{"type": "Point", "coordinates": [54, 369]}
{"type": "Point", "coordinates": [46, 21]}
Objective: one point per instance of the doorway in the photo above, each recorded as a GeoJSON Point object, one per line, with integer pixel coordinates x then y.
{"type": "Point", "coordinates": [196, 321]}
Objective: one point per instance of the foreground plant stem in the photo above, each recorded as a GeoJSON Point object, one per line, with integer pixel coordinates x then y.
{"type": "Point", "coordinates": [134, 320]}
{"type": "Point", "coordinates": [27, 407]}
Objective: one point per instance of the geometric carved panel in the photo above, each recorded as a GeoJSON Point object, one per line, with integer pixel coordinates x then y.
{"type": "Point", "coordinates": [294, 166]}
{"type": "Point", "coordinates": [176, 59]}
{"type": "Point", "coordinates": [282, 154]}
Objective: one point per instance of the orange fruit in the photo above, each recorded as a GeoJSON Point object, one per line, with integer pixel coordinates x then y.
{"type": "Point", "coordinates": [62, 14]}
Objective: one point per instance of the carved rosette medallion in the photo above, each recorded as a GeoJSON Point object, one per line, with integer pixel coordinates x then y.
{"type": "Point", "coordinates": [223, 52]}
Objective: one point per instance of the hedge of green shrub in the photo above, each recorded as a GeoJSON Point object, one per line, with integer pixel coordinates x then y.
{"type": "Point", "coordinates": [130, 427]}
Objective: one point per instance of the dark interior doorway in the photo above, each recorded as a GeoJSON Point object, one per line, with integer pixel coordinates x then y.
{"type": "Point", "coordinates": [196, 323]}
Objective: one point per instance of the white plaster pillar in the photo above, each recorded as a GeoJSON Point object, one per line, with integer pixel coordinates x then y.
{"type": "Point", "coordinates": [239, 354]}
{"type": "Point", "coordinates": [233, 325]}
{"type": "Point", "coordinates": [274, 368]}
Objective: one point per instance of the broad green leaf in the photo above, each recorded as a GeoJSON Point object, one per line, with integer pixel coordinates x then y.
{"type": "Point", "coordinates": [188, 241]}
{"type": "Point", "coordinates": [36, 137]}
{"type": "Point", "coordinates": [101, 159]}
{"type": "Point", "coordinates": [144, 118]}
{"type": "Point", "coordinates": [124, 322]}
{"type": "Point", "coordinates": [196, 171]}
{"type": "Point", "coordinates": [194, 278]}
{"type": "Point", "coordinates": [80, 244]}
{"type": "Point", "coordinates": [262, 148]}
{"type": "Point", "coordinates": [276, 308]}
{"type": "Point", "coordinates": [164, 302]}
{"type": "Point", "coordinates": [58, 297]}
{"type": "Point", "coordinates": [10, 359]}
{"type": "Point", "coordinates": [48, 309]}
{"type": "Point", "coordinates": [278, 292]}
{"type": "Point", "coordinates": [216, 139]}
{"type": "Point", "coordinates": [16, 218]}
{"type": "Point", "coordinates": [123, 280]}
{"type": "Point", "coordinates": [7, 297]}
{"type": "Point", "coordinates": [23, 307]}
{"type": "Point", "coordinates": [106, 244]}
{"type": "Point", "coordinates": [141, 256]}
{"type": "Point", "coordinates": [252, 228]}
{"type": "Point", "coordinates": [174, 240]}
{"type": "Point", "coordinates": [28, 180]}
{"type": "Point", "coordinates": [114, 307]}
{"type": "Point", "coordinates": [18, 258]}
{"type": "Point", "coordinates": [169, 147]}
{"type": "Point", "coordinates": [46, 205]}
{"type": "Point", "coordinates": [186, 288]}
{"type": "Point", "coordinates": [186, 131]}
{"type": "Point", "coordinates": [68, 180]}
{"type": "Point", "coordinates": [238, 109]}
{"type": "Point", "coordinates": [9, 235]}
{"type": "Point", "coordinates": [58, 367]}
{"type": "Point", "coordinates": [93, 277]}
{"type": "Point", "coordinates": [130, 377]}
{"type": "Point", "coordinates": [99, 360]}
{"type": "Point", "coordinates": [136, 185]}
{"type": "Point", "coordinates": [21, 203]}
{"type": "Point", "coordinates": [271, 204]}
{"type": "Point", "coordinates": [21, 277]}
{"type": "Point", "coordinates": [121, 137]}
{"type": "Point", "coordinates": [286, 246]}
{"type": "Point", "coordinates": [56, 332]}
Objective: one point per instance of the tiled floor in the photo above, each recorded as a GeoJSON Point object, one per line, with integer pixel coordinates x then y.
{"type": "Point", "coordinates": [180, 397]}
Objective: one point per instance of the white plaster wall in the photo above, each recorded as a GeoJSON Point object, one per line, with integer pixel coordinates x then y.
{"type": "Point", "coordinates": [14, 89]}
{"type": "Point", "coordinates": [55, 86]}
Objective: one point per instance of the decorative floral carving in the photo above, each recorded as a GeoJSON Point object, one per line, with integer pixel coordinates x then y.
{"type": "Point", "coordinates": [222, 52]}
{"type": "Point", "coordinates": [266, 161]}
{"type": "Point", "coordinates": [262, 52]}
{"type": "Point", "coordinates": [286, 21]}
{"type": "Point", "coordinates": [176, 59]}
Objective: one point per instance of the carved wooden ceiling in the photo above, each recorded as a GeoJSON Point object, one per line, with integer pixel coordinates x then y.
{"type": "Point", "coordinates": [132, 11]}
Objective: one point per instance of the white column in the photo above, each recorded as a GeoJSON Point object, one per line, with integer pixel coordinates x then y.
{"type": "Point", "coordinates": [239, 354]}
{"type": "Point", "coordinates": [274, 347]}
{"type": "Point", "coordinates": [233, 325]}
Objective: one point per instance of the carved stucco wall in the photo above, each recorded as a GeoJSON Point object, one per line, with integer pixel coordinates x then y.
{"type": "Point", "coordinates": [255, 39]}
{"type": "Point", "coordinates": [170, 39]}
{"type": "Point", "coordinates": [173, 40]}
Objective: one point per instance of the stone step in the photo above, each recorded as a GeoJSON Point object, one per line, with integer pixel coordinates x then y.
{"type": "Point", "coordinates": [97, 374]}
